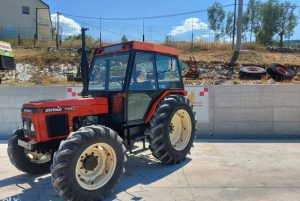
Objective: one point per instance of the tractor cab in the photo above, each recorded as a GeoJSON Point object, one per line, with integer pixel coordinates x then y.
{"type": "Point", "coordinates": [133, 76]}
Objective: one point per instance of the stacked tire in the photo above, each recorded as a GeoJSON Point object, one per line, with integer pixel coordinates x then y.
{"type": "Point", "coordinates": [279, 72]}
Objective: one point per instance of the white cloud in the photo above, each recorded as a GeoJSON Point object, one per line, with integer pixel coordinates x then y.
{"type": "Point", "coordinates": [203, 37]}
{"type": "Point", "coordinates": [69, 26]}
{"type": "Point", "coordinates": [189, 25]}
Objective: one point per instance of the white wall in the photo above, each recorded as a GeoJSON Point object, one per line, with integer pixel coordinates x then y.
{"type": "Point", "coordinates": [253, 111]}
{"type": "Point", "coordinates": [234, 111]}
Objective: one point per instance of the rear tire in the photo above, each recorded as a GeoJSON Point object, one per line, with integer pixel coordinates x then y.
{"type": "Point", "coordinates": [170, 143]}
{"type": "Point", "coordinates": [88, 164]}
{"type": "Point", "coordinates": [18, 157]}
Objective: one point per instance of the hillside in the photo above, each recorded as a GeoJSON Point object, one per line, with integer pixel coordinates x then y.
{"type": "Point", "coordinates": [39, 66]}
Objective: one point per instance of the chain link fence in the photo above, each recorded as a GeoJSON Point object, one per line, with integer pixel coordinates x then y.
{"type": "Point", "coordinates": [190, 33]}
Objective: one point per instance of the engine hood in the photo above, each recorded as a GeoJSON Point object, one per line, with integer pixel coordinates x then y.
{"type": "Point", "coordinates": [66, 102]}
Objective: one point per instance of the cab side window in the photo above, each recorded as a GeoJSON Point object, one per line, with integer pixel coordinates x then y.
{"type": "Point", "coordinates": [167, 72]}
{"type": "Point", "coordinates": [143, 76]}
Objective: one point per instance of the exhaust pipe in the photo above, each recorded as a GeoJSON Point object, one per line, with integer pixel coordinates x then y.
{"type": "Point", "coordinates": [84, 64]}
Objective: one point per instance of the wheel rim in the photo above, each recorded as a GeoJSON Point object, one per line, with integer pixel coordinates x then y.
{"type": "Point", "coordinates": [38, 157]}
{"type": "Point", "coordinates": [180, 129]}
{"type": "Point", "coordinates": [95, 166]}
{"type": "Point", "coordinates": [282, 70]}
{"type": "Point", "coordinates": [252, 69]}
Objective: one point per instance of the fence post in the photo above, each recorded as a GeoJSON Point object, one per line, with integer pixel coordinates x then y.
{"type": "Point", "coordinates": [60, 36]}
{"type": "Point", "coordinates": [192, 42]}
{"type": "Point", "coordinates": [19, 39]}
{"type": "Point", "coordinates": [57, 30]}
{"type": "Point", "coordinates": [143, 30]}
{"type": "Point", "coordinates": [100, 32]}
{"type": "Point", "coordinates": [34, 40]}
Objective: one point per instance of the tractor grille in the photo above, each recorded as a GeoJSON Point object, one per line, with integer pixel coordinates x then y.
{"type": "Point", "coordinates": [27, 127]}
{"type": "Point", "coordinates": [7, 63]}
{"type": "Point", "coordinates": [57, 125]}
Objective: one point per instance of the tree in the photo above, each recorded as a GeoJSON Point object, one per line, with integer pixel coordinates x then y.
{"type": "Point", "coordinates": [229, 24]}
{"type": "Point", "coordinates": [251, 18]}
{"type": "Point", "coordinates": [124, 39]}
{"type": "Point", "coordinates": [245, 26]}
{"type": "Point", "coordinates": [216, 15]}
{"type": "Point", "coordinates": [287, 20]}
{"type": "Point", "coordinates": [269, 14]}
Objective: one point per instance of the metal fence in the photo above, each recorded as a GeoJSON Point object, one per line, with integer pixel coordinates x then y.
{"type": "Point", "coordinates": [191, 29]}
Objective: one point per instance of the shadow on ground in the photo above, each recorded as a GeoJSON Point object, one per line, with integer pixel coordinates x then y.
{"type": "Point", "coordinates": [141, 169]}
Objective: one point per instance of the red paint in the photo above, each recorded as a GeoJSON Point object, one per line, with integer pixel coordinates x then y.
{"type": "Point", "coordinates": [83, 107]}
{"type": "Point", "coordinates": [137, 45]}
{"type": "Point", "coordinates": [155, 104]}
{"type": "Point", "coordinates": [118, 103]}
{"type": "Point", "coordinates": [202, 93]}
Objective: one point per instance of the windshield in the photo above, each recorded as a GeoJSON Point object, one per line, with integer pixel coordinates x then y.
{"type": "Point", "coordinates": [108, 72]}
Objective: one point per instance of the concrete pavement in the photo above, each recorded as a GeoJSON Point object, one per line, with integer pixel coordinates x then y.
{"type": "Point", "coordinates": [216, 170]}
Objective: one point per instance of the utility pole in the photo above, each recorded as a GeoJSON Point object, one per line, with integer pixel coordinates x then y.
{"type": "Point", "coordinates": [238, 35]}
{"type": "Point", "coordinates": [234, 25]}
{"type": "Point", "coordinates": [239, 27]}
{"type": "Point", "coordinates": [57, 30]}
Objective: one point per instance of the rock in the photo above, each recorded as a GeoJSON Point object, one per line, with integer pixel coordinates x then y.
{"type": "Point", "coordinates": [25, 72]}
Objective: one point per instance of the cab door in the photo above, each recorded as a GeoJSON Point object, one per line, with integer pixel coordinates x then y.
{"type": "Point", "coordinates": [142, 87]}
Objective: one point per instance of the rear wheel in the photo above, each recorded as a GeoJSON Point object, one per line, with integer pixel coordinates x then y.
{"type": "Point", "coordinates": [88, 164]}
{"type": "Point", "coordinates": [172, 130]}
{"type": "Point", "coordinates": [32, 162]}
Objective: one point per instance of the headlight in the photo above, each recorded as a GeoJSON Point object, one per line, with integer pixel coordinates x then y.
{"type": "Point", "coordinates": [32, 127]}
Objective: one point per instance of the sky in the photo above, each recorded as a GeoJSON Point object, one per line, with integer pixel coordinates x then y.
{"type": "Point", "coordinates": [179, 27]}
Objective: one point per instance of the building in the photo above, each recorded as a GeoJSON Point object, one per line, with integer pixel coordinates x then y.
{"type": "Point", "coordinates": [27, 19]}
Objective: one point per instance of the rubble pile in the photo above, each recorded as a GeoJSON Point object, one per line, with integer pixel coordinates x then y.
{"type": "Point", "coordinates": [31, 73]}
{"type": "Point", "coordinates": [223, 74]}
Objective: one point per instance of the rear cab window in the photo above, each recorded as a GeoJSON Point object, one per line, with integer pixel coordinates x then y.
{"type": "Point", "coordinates": [168, 73]}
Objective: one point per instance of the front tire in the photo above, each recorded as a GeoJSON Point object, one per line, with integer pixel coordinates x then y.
{"type": "Point", "coordinates": [88, 164]}
{"type": "Point", "coordinates": [31, 162]}
{"type": "Point", "coordinates": [172, 130]}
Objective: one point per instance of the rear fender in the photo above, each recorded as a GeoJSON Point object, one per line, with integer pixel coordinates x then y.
{"type": "Point", "coordinates": [157, 101]}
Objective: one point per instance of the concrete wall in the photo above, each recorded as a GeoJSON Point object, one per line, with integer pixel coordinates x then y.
{"type": "Point", "coordinates": [235, 111]}
{"type": "Point", "coordinates": [12, 98]}
{"type": "Point", "coordinates": [253, 111]}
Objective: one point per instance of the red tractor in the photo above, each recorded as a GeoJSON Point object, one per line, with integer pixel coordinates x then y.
{"type": "Point", "coordinates": [132, 92]}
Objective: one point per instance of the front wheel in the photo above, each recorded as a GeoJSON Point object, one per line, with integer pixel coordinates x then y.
{"type": "Point", "coordinates": [172, 129]}
{"type": "Point", "coordinates": [88, 164]}
{"type": "Point", "coordinates": [31, 162]}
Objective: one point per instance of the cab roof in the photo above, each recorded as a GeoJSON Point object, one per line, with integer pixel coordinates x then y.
{"type": "Point", "coordinates": [136, 45]}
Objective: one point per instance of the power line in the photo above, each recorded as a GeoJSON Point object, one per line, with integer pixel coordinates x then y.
{"type": "Point", "coordinates": [141, 18]}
